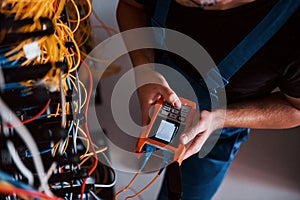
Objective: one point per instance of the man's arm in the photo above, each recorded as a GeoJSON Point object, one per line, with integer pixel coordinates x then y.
{"type": "Point", "coordinates": [272, 112]}
{"type": "Point", "coordinates": [276, 111]}
{"type": "Point", "coordinates": [130, 15]}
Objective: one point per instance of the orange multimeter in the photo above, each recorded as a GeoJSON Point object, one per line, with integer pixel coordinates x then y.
{"type": "Point", "coordinates": [166, 125]}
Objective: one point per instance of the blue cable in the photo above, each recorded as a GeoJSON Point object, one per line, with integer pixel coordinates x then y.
{"type": "Point", "coordinates": [149, 150]}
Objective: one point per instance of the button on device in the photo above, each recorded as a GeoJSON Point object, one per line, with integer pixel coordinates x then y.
{"type": "Point", "coordinates": [184, 114]}
{"type": "Point", "coordinates": [173, 116]}
{"type": "Point", "coordinates": [185, 109]}
{"type": "Point", "coordinates": [166, 108]}
{"type": "Point", "coordinates": [163, 112]}
{"type": "Point", "coordinates": [175, 111]}
{"type": "Point", "coordinates": [181, 119]}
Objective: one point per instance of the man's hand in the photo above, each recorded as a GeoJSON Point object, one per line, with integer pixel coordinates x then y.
{"type": "Point", "coordinates": [204, 124]}
{"type": "Point", "coordinates": [152, 86]}
{"type": "Point", "coordinates": [275, 111]}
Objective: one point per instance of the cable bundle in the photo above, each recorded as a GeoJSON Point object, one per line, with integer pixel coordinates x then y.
{"type": "Point", "coordinates": [45, 122]}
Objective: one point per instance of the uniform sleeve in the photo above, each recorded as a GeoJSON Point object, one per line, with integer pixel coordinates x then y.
{"type": "Point", "coordinates": [290, 79]}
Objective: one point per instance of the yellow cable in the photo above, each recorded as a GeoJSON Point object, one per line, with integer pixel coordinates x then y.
{"type": "Point", "coordinates": [128, 186]}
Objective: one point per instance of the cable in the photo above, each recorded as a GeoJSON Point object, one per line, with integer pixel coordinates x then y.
{"type": "Point", "coordinates": [94, 195]}
{"type": "Point", "coordinates": [7, 188]}
{"type": "Point", "coordinates": [50, 171]}
{"type": "Point", "coordinates": [75, 135]}
{"type": "Point", "coordinates": [64, 144]}
{"type": "Point", "coordinates": [86, 125]}
{"type": "Point", "coordinates": [147, 186]}
{"type": "Point", "coordinates": [87, 15]}
{"type": "Point", "coordinates": [31, 119]}
{"type": "Point", "coordinates": [16, 158]}
{"type": "Point", "coordinates": [8, 116]}
{"type": "Point", "coordinates": [90, 154]}
{"type": "Point", "coordinates": [63, 103]}
{"type": "Point", "coordinates": [167, 156]}
{"type": "Point", "coordinates": [78, 16]}
{"type": "Point", "coordinates": [111, 184]}
{"type": "Point", "coordinates": [2, 80]}
{"type": "Point", "coordinates": [149, 150]}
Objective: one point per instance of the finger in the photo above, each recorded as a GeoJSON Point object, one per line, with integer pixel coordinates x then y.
{"type": "Point", "coordinates": [192, 132]}
{"type": "Point", "coordinates": [145, 114]}
{"type": "Point", "coordinates": [170, 96]}
{"type": "Point", "coordinates": [194, 146]}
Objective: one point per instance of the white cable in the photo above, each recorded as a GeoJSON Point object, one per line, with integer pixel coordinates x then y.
{"type": "Point", "coordinates": [9, 117]}
{"type": "Point", "coordinates": [50, 171]}
{"type": "Point", "coordinates": [94, 195]}
{"type": "Point", "coordinates": [75, 134]}
{"type": "Point", "coordinates": [16, 158]}
{"type": "Point", "coordinates": [115, 174]}
{"type": "Point", "coordinates": [2, 80]}
{"type": "Point", "coordinates": [63, 102]}
{"type": "Point", "coordinates": [79, 92]}
{"type": "Point", "coordinates": [110, 165]}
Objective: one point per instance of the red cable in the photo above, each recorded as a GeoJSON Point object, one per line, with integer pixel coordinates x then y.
{"type": "Point", "coordinates": [20, 192]}
{"type": "Point", "coordinates": [33, 118]}
{"type": "Point", "coordinates": [86, 125]}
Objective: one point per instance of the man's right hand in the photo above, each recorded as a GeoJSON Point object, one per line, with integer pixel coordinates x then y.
{"type": "Point", "coordinates": [152, 86]}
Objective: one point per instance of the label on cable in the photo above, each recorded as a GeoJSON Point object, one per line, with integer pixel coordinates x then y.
{"type": "Point", "coordinates": [32, 50]}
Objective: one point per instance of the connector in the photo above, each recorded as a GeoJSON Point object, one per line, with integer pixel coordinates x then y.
{"type": "Point", "coordinates": [149, 150]}
{"type": "Point", "coordinates": [167, 158]}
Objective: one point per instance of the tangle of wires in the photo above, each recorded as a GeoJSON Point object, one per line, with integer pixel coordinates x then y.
{"type": "Point", "coordinates": [44, 138]}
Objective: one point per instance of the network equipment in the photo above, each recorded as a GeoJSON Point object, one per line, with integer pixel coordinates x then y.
{"type": "Point", "coordinates": [44, 138]}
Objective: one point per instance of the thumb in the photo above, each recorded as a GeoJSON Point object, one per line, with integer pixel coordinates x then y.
{"type": "Point", "coordinates": [145, 114]}
{"type": "Point", "coordinates": [170, 96]}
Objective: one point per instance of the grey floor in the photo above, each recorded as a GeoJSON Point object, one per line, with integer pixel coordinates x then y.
{"type": "Point", "coordinates": [266, 167]}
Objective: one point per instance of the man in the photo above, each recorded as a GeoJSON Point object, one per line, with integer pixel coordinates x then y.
{"type": "Point", "coordinates": [219, 26]}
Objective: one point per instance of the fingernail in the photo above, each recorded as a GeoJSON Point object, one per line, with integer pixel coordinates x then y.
{"type": "Point", "coordinates": [184, 139]}
{"type": "Point", "coordinates": [175, 100]}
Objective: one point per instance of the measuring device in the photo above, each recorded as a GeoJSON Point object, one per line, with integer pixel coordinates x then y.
{"type": "Point", "coordinates": [166, 125]}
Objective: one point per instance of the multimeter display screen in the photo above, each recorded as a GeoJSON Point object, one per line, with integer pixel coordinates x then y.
{"type": "Point", "coordinates": [166, 131]}
{"type": "Point", "coordinates": [168, 123]}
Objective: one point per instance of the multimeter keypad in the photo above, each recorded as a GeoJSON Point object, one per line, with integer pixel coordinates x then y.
{"type": "Point", "coordinates": [178, 115]}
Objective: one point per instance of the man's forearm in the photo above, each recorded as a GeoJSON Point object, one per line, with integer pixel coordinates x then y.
{"type": "Point", "coordinates": [131, 15]}
{"type": "Point", "coordinates": [271, 112]}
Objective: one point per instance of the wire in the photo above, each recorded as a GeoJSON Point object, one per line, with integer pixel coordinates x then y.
{"type": "Point", "coordinates": [87, 15]}
{"type": "Point", "coordinates": [16, 158]}
{"type": "Point", "coordinates": [147, 186]}
{"type": "Point", "coordinates": [63, 103]}
{"type": "Point", "coordinates": [75, 135]}
{"type": "Point", "coordinates": [94, 195]}
{"type": "Point", "coordinates": [79, 92]}
{"type": "Point", "coordinates": [126, 187]}
{"type": "Point", "coordinates": [78, 16]}
{"type": "Point", "coordinates": [90, 154]}
{"type": "Point", "coordinates": [86, 125]}
{"type": "Point", "coordinates": [50, 171]}
{"type": "Point", "coordinates": [2, 80]}
{"type": "Point", "coordinates": [149, 150]}
{"type": "Point", "coordinates": [83, 87]}
{"type": "Point", "coordinates": [166, 159]}
{"type": "Point", "coordinates": [33, 118]}
{"type": "Point", "coordinates": [7, 188]}
{"type": "Point", "coordinates": [108, 185]}
{"type": "Point", "coordinates": [8, 116]}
